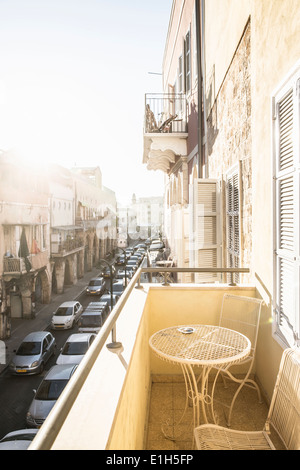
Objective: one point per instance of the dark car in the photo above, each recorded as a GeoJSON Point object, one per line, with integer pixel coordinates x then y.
{"type": "Point", "coordinates": [118, 287]}
{"type": "Point", "coordinates": [96, 286]}
{"type": "Point", "coordinates": [120, 260]}
{"type": "Point", "coordinates": [93, 317]}
{"type": "Point", "coordinates": [108, 271]}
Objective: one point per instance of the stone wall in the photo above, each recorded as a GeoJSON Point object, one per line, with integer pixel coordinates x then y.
{"type": "Point", "coordinates": [229, 135]}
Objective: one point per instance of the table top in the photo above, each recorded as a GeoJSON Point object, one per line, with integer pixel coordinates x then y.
{"type": "Point", "coordinates": [200, 345]}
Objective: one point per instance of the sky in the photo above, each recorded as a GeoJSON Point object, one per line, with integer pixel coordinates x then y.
{"type": "Point", "coordinates": [73, 77]}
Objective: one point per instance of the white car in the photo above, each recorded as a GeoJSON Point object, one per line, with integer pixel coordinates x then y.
{"type": "Point", "coordinates": [18, 440]}
{"type": "Point", "coordinates": [66, 315]}
{"type": "Point", "coordinates": [75, 348]}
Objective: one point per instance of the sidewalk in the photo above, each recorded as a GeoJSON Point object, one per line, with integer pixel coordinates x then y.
{"type": "Point", "coordinates": [21, 327]}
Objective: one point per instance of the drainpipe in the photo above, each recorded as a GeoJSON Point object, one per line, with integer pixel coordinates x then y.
{"type": "Point", "coordinates": [199, 15]}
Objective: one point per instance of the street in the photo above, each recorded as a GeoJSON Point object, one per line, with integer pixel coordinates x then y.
{"type": "Point", "coordinates": [16, 392]}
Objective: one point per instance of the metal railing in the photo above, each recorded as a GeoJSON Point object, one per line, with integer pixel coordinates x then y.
{"type": "Point", "coordinates": [48, 432]}
{"type": "Point", "coordinates": [165, 113]}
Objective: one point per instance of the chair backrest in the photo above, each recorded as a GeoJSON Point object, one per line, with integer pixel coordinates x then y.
{"type": "Point", "coordinates": [241, 314]}
{"type": "Point", "coordinates": [284, 411]}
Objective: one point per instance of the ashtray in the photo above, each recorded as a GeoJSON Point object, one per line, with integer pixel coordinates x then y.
{"type": "Point", "coordinates": [186, 330]}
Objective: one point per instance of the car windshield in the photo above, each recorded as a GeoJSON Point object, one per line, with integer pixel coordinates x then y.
{"type": "Point", "coordinates": [50, 389]}
{"type": "Point", "coordinates": [63, 311]}
{"type": "Point", "coordinates": [75, 349]}
{"type": "Point", "coordinates": [29, 348]}
{"type": "Point", "coordinates": [97, 282]}
{"type": "Point", "coordinates": [19, 437]}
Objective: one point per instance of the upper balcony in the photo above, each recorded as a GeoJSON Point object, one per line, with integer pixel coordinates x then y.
{"type": "Point", "coordinates": [16, 266]}
{"type": "Point", "coordinates": [165, 130]}
{"type": "Point", "coordinates": [65, 241]}
{"type": "Point", "coordinates": [122, 393]}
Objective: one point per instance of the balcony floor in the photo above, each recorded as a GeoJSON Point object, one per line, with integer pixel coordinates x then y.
{"type": "Point", "coordinates": [167, 403]}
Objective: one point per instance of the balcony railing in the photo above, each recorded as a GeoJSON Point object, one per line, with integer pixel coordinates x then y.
{"type": "Point", "coordinates": [19, 266]}
{"type": "Point", "coordinates": [65, 247]}
{"type": "Point", "coordinates": [165, 113]}
{"type": "Point", "coordinates": [51, 428]}
{"type": "Point", "coordinates": [13, 265]}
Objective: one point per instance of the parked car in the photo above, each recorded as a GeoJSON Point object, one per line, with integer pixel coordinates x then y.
{"type": "Point", "coordinates": [133, 263]}
{"type": "Point", "coordinates": [107, 298]}
{"type": "Point", "coordinates": [157, 245]}
{"type": "Point", "coordinates": [120, 260]}
{"type": "Point", "coordinates": [18, 440]}
{"type": "Point", "coordinates": [96, 286]}
{"type": "Point", "coordinates": [135, 258]}
{"type": "Point", "coordinates": [130, 269]}
{"type": "Point", "coordinates": [108, 271]}
{"type": "Point", "coordinates": [66, 315]}
{"type": "Point", "coordinates": [118, 287]}
{"type": "Point", "coordinates": [141, 246]}
{"type": "Point", "coordinates": [33, 353]}
{"type": "Point", "coordinates": [93, 317]}
{"type": "Point", "coordinates": [75, 348]}
{"type": "Point", "coordinates": [47, 393]}
{"type": "Point", "coordinates": [121, 274]}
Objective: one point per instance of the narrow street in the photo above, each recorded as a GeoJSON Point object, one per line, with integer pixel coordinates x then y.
{"type": "Point", "coordinates": [17, 392]}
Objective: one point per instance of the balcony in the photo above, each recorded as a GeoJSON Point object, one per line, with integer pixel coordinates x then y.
{"type": "Point", "coordinates": [67, 247]}
{"type": "Point", "coordinates": [121, 393]}
{"type": "Point", "coordinates": [18, 266]}
{"type": "Point", "coordinates": [165, 130]}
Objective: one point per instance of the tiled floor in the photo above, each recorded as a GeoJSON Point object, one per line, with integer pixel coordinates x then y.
{"type": "Point", "coordinates": [167, 405]}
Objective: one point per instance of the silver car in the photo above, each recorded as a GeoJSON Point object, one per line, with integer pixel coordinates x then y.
{"type": "Point", "coordinates": [18, 440]}
{"type": "Point", "coordinates": [33, 353]}
{"type": "Point", "coordinates": [48, 392]}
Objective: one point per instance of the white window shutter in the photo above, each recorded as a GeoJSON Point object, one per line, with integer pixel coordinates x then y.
{"type": "Point", "coordinates": [206, 228]}
{"type": "Point", "coordinates": [286, 189]}
{"type": "Point", "coordinates": [233, 221]}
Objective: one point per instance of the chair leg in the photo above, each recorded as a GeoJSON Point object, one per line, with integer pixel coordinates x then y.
{"type": "Point", "coordinates": [248, 382]}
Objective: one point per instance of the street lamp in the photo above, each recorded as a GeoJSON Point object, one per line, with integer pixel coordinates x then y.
{"type": "Point", "coordinates": [114, 346]}
{"type": "Point", "coordinates": [125, 265]}
{"type": "Point", "coordinates": [111, 281]}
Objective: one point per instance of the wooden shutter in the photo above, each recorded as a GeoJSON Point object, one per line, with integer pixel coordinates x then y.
{"type": "Point", "coordinates": [205, 227]}
{"type": "Point", "coordinates": [286, 189]}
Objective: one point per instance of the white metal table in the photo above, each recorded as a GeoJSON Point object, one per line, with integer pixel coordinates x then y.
{"type": "Point", "coordinates": [208, 346]}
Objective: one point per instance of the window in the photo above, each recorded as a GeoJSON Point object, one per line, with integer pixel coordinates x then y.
{"type": "Point", "coordinates": [233, 221]}
{"type": "Point", "coordinates": [286, 325]}
{"type": "Point", "coordinates": [187, 53]}
{"type": "Point", "coordinates": [179, 87]}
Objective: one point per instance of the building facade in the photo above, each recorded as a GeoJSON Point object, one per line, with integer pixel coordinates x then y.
{"type": "Point", "coordinates": [55, 225]}
{"type": "Point", "coordinates": [231, 80]}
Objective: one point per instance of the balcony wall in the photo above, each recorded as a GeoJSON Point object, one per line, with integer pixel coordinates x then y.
{"type": "Point", "coordinates": [111, 409]}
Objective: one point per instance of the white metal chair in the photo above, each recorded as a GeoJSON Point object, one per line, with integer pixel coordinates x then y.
{"type": "Point", "coordinates": [283, 416]}
{"type": "Point", "coordinates": [241, 314]}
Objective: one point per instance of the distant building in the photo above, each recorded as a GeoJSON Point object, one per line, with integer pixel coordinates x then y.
{"type": "Point", "coordinates": [141, 219]}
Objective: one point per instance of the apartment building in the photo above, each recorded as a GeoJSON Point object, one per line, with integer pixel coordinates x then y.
{"type": "Point", "coordinates": [230, 202]}
{"type": "Point", "coordinates": [24, 239]}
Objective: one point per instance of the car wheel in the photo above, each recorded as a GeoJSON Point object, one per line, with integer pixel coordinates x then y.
{"type": "Point", "coordinates": [41, 368]}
